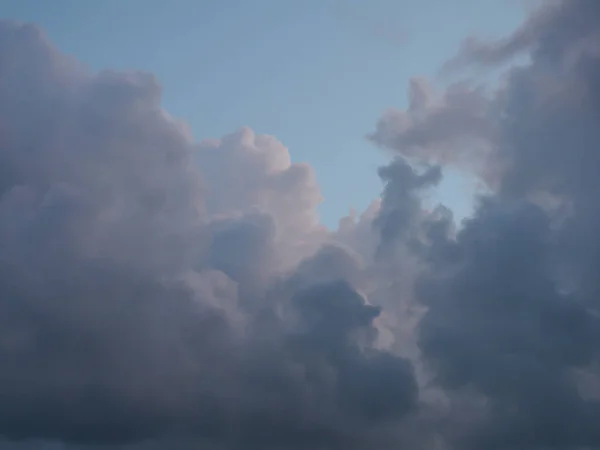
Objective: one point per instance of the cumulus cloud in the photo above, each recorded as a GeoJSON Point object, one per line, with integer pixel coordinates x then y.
{"type": "Point", "coordinates": [162, 292]}
{"type": "Point", "coordinates": [511, 327]}
{"type": "Point", "coordinates": [156, 291]}
{"type": "Point", "coordinates": [512, 299]}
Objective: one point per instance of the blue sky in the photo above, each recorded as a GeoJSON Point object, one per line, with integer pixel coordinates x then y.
{"type": "Point", "coordinates": [315, 73]}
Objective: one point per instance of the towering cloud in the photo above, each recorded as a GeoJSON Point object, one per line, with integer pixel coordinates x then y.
{"type": "Point", "coordinates": [158, 292]}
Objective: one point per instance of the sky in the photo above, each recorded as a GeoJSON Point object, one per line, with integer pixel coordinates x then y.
{"type": "Point", "coordinates": [316, 73]}
{"type": "Point", "coordinates": [171, 280]}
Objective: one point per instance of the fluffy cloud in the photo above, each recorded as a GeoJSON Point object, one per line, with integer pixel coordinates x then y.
{"type": "Point", "coordinates": [156, 291]}
{"type": "Point", "coordinates": [159, 292]}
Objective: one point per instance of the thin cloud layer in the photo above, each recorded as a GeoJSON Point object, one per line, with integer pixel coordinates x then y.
{"type": "Point", "coordinates": [550, 32]}
{"type": "Point", "coordinates": [157, 292]}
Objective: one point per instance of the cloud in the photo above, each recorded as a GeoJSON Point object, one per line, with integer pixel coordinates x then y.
{"type": "Point", "coordinates": [160, 292]}
{"type": "Point", "coordinates": [549, 34]}
{"type": "Point", "coordinates": [400, 204]}
{"type": "Point", "coordinates": [246, 172]}
{"type": "Point", "coordinates": [156, 291]}
{"type": "Point", "coordinates": [512, 299]}
{"type": "Point", "coordinates": [454, 128]}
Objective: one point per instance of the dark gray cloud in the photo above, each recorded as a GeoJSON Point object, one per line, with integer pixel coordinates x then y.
{"type": "Point", "coordinates": [498, 321]}
{"type": "Point", "coordinates": [512, 319]}
{"type": "Point", "coordinates": [400, 205]}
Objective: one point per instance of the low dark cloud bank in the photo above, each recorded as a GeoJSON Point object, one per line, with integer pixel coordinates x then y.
{"type": "Point", "coordinates": [158, 292]}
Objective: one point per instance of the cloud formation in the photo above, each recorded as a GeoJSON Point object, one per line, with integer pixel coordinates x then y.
{"type": "Point", "coordinates": [512, 324]}
{"type": "Point", "coordinates": [159, 292]}
{"type": "Point", "coordinates": [513, 299]}
{"type": "Point", "coordinates": [453, 127]}
{"type": "Point", "coordinates": [151, 290]}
